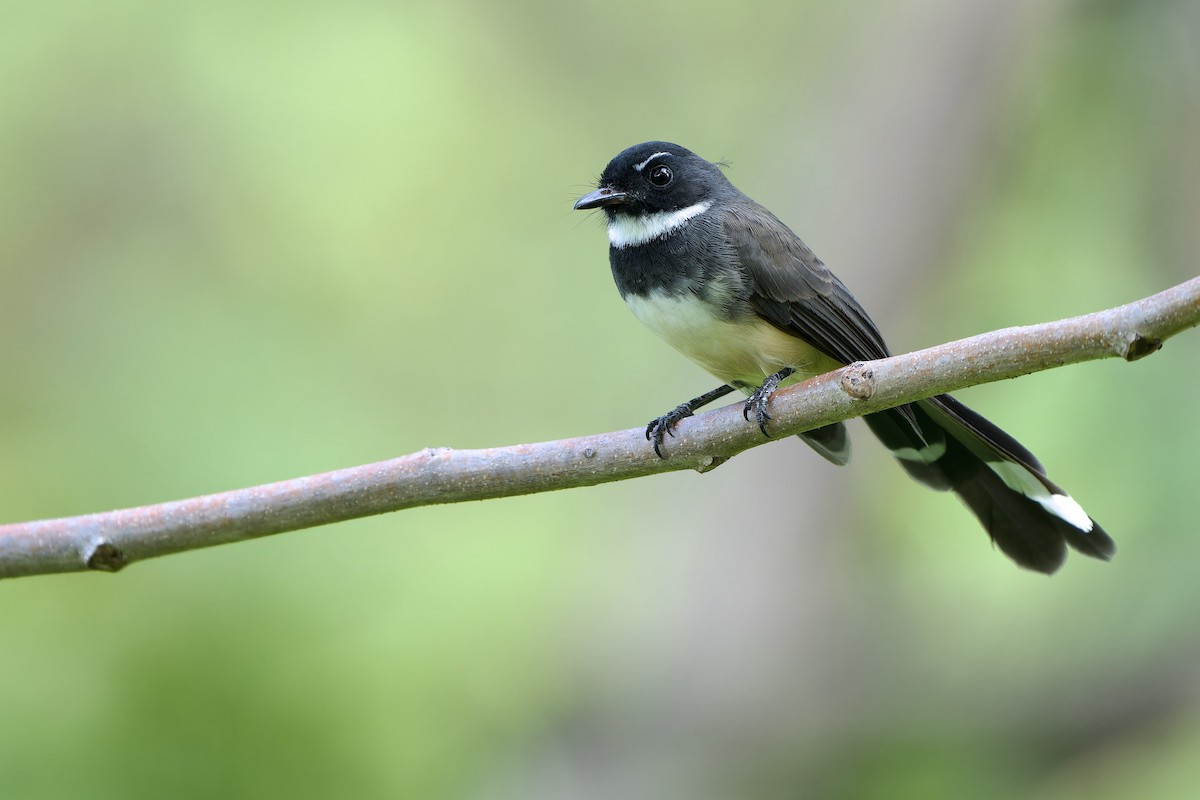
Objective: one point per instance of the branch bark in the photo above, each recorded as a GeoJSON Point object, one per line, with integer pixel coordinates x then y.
{"type": "Point", "coordinates": [109, 541]}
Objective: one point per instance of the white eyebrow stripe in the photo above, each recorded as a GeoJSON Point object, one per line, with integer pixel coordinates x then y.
{"type": "Point", "coordinates": [641, 165]}
{"type": "Point", "coordinates": [626, 230]}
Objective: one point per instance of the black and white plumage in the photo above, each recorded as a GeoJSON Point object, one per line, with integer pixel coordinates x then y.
{"type": "Point", "coordinates": [723, 281]}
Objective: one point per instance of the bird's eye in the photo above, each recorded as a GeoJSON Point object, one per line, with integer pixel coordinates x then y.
{"type": "Point", "coordinates": [661, 175]}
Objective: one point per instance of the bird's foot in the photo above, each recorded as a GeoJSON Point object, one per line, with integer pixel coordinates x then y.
{"type": "Point", "coordinates": [757, 402]}
{"type": "Point", "coordinates": [660, 428]}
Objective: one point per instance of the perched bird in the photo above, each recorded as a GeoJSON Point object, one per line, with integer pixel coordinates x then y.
{"type": "Point", "coordinates": [723, 281]}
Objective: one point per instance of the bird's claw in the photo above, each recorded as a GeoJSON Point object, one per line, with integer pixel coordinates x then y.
{"type": "Point", "coordinates": [660, 428]}
{"type": "Point", "coordinates": [757, 402]}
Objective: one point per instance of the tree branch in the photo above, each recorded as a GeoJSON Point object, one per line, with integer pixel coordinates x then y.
{"type": "Point", "coordinates": [111, 540]}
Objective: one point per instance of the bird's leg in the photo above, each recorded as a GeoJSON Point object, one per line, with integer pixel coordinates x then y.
{"type": "Point", "coordinates": [662, 426]}
{"type": "Point", "coordinates": [759, 397]}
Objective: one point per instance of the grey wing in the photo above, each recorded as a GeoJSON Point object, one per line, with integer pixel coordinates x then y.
{"type": "Point", "coordinates": [794, 291]}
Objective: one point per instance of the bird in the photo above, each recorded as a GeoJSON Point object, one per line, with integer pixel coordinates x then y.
{"type": "Point", "coordinates": [727, 284]}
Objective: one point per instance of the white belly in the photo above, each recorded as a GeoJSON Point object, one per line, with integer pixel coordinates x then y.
{"type": "Point", "coordinates": [736, 352]}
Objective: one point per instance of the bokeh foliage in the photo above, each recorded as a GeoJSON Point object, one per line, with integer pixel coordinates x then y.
{"type": "Point", "coordinates": [241, 242]}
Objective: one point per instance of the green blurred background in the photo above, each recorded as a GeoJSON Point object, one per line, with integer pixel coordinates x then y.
{"type": "Point", "coordinates": [241, 242]}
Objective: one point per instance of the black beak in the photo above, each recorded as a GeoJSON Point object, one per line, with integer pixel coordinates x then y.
{"type": "Point", "coordinates": [604, 196]}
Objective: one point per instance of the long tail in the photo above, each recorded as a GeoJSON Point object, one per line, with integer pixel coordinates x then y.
{"type": "Point", "coordinates": [945, 445]}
